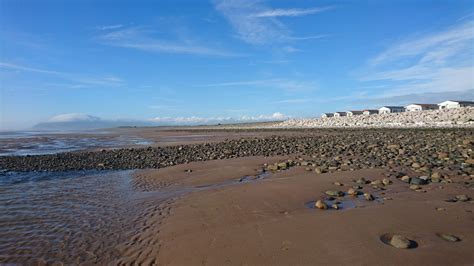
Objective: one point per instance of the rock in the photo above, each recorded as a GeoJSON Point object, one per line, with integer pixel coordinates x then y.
{"type": "Point", "coordinates": [318, 170]}
{"type": "Point", "coordinates": [321, 205]}
{"type": "Point", "coordinates": [188, 171]}
{"type": "Point", "coordinates": [443, 155]}
{"type": "Point", "coordinates": [405, 179]}
{"type": "Point", "coordinates": [305, 163]}
{"type": "Point", "coordinates": [469, 161]}
{"type": "Point", "coordinates": [273, 167]}
{"type": "Point", "coordinates": [462, 198]}
{"type": "Point", "coordinates": [448, 237]}
{"type": "Point", "coordinates": [335, 206]}
{"type": "Point", "coordinates": [393, 147]}
{"type": "Point", "coordinates": [415, 165]}
{"type": "Point", "coordinates": [338, 184]}
{"type": "Point", "coordinates": [368, 196]}
{"type": "Point", "coordinates": [435, 175]}
{"type": "Point", "coordinates": [357, 187]}
{"type": "Point", "coordinates": [283, 166]}
{"type": "Point", "coordinates": [418, 181]}
{"type": "Point", "coordinates": [399, 241]}
{"type": "Point", "coordinates": [352, 192]}
{"type": "Point", "coordinates": [376, 182]}
{"type": "Point", "coordinates": [440, 209]}
{"type": "Point", "coordinates": [334, 193]}
{"type": "Point", "coordinates": [386, 181]}
{"type": "Point", "coordinates": [362, 181]}
{"type": "Point", "coordinates": [308, 169]}
{"type": "Point", "coordinates": [415, 187]}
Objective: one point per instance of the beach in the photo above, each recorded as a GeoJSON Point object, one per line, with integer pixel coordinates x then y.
{"type": "Point", "coordinates": [245, 196]}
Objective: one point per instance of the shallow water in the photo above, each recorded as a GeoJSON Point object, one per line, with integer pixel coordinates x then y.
{"type": "Point", "coordinates": [35, 143]}
{"type": "Point", "coordinates": [82, 217]}
{"type": "Point", "coordinates": [67, 217]}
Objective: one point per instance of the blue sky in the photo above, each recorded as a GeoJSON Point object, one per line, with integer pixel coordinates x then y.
{"type": "Point", "coordinates": [201, 61]}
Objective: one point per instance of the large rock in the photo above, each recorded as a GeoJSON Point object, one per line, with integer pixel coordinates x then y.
{"type": "Point", "coordinates": [399, 241]}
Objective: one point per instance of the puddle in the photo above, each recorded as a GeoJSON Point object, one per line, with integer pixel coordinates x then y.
{"type": "Point", "coordinates": [346, 202]}
{"type": "Point", "coordinates": [386, 238]}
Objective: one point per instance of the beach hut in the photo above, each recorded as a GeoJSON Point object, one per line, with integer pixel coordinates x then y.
{"type": "Point", "coordinates": [370, 112]}
{"type": "Point", "coordinates": [325, 115]}
{"type": "Point", "coordinates": [339, 114]}
{"type": "Point", "coordinates": [352, 113]}
{"type": "Point", "coordinates": [455, 104]}
{"type": "Point", "coordinates": [420, 107]}
{"type": "Point", "coordinates": [391, 109]}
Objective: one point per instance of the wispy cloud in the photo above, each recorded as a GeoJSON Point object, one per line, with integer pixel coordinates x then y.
{"type": "Point", "coordinates": [83, 79]}
{"type": "Point", "coordinates": [109, 27]}
{"type": "Point", "coordinates": [291, 12]}
{"type": "Point", "coordinates": [293, 101]}
{"type": "Point", "coordinates": [438, 62]}
{"type": "Point", "coordinates": [141, 39]}
{"type": "Point", "coordinates": [256, 23]}
{"type": "Point", "coordinates": [191, 120]}
{"type": "Point", "coordinates": [286, 84]}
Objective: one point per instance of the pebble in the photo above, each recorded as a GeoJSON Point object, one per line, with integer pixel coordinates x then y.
{"type": "Point", "coordinates": [386, 181]}
{"type": "Point", "coordinates": [368, 196]}
{"type": "Point", "coordinates": [399, 241]}
{"type": "Point", "coordinates": [335, 206]}
{"type": "Point", "coordinates": [448, 237]}
{"type": "Point", "coordinates": [405, 179]}
{"type": "Point", "coordinates": [415, 187]}
{"type": "Point", "coordinates": [334, 193]}
{"type": "Point", "coordinates": [418, 181]}
{"type": "Point", "coordinates": [462, 198]}
{"type": "Point", "coordinates": [352, 192]}
{"type": "Point", "coordinates": [321, 205]}
{"type": "Point", "coordinates": [338, 184]}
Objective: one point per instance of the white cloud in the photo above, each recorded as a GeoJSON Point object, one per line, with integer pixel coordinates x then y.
{"type": "Point", "coordinates": [79, 78]}
{"type": "Point", "coordinates": [291, 12]}
{"type": "Point", "coordinates": [109, 27]}
{"type": "Point", "coordinates": [74, 117]}
{"type": "Point", "coordinates": [140, 39]}
{"type": "Point", "coordinates": [210, 120]}
{"type": "Point", "coordinates": [438, 62]}
{"type": "Point", "coordinates": [255, 23]}
{"type": "Point", "coordinates": [286, 84]}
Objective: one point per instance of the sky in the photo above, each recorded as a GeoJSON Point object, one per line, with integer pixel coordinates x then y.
{"type": "Point", "coordinates": [202, 61]}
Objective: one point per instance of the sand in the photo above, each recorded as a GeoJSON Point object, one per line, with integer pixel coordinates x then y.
{"type": "Point", "coordinates": [265, 222]}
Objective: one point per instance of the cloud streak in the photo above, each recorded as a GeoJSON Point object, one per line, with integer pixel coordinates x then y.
{"type": "Point", "coordinates": [79, 78]}
{"type": "Point", "coordinates": [257, 24]}
{"type": "Point", "coordinates": [438, 62]}
{"type": "Point", "coordinates": [140, 39]}
{"type": "Point", "coordinates": [286, 84]}
{"type": "Point", "coordinates": [291, 12]}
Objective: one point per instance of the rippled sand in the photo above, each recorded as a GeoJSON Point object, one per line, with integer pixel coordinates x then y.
{"type": "Point", "coordinates": [72, 217]}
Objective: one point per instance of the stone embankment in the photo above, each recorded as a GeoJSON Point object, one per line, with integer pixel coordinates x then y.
{"type": "Point", "coordinates": [462, 117]}
{"type": "Point", "coordinates": [347, 149]}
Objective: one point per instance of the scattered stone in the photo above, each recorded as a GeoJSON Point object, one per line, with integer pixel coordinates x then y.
{"type": "Point", "coordinates": [462, 198]}
{"type": "Point", "coordinates": [318, 170]}
{"type": "Point", "coordinates": [357, 187]}
{"type": "Point", "coordinates": [415, 187]}
{"type": "Point", "coordinates": [335, 206]}
{"type": "Point", "coordinates": [368, 196]}
{"type": "Point", "coordinates": [440, 209]}
{"type": "Point", "coordinates": [376, 182]}
{"type": "Point", "coordinates": [393, 147]}
{"type": "Point", "coordinates": [272, 167]}
{"type": "Point", "coordinates": [448, 237]}
{"type": "Point", "coordinates": [320, 204]}
{"type": "Point", "coordinates": [362, 181]}
{"type": "Point", "coordinates": [352, 192]}
{"type": "Point", "coordinates": [399, 241]}
{"type": "Point", "coordinates": [338, 184]}
{"type": "Point", "coordinates": [334, 193]}
{"type": "Point", "coordinates": [282, 166]}
{"type": "Point", "coordinates": [418, 181]}
{"type": "Point", "coordinates": [405, 179]}
{"type": "Point", "coordinates": [386, 181]}
{"type": "Point", "coordinates": [188, 171]}
{"type": "Point", "coordinates": [415, 165]}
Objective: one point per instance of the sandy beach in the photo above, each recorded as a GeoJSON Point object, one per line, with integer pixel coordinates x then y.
{"type": "Point", "coordinates": [225, 205]}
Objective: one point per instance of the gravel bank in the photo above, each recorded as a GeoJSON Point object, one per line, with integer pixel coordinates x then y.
{"type": "Point", "coordinates": [462, 117]}
{"type": "Point", "coordinates": [350, 149]}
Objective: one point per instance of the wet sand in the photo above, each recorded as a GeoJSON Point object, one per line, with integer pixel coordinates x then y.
{"type": "Point", "coordinates": [266, 222]}
{"type": "Point", "coordinates": [238, 211]}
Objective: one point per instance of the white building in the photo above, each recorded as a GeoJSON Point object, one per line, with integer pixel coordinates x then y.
{"type": "Point", "coordinates": [370, 112]}
{"type": "Point", "coordinates": [454, 104]}
{"type": "Point", "coordinates": [327, 115]}
{"type": "Point", "coordinates": [352, 113]}
{"type": "Point", "coordinates": [391, 109]}
{"type": "Point", "coordinates": [339, 114]}
{"type": "Point", "coordinates": [420, 107]}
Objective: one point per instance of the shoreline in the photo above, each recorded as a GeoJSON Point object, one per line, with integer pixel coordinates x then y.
{"type": "Point", "coordinates": [315, 143]}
